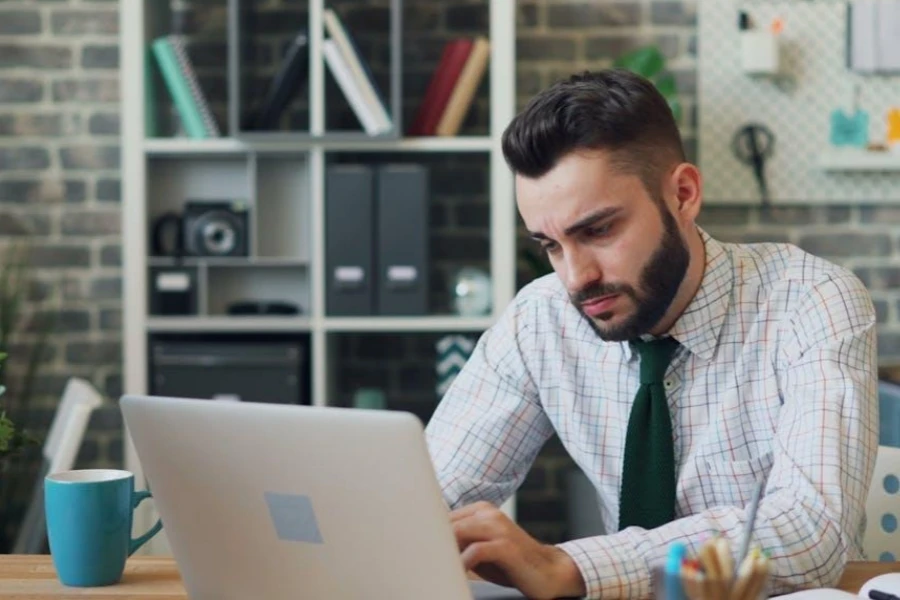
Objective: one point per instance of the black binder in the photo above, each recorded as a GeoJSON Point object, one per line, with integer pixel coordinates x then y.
{"type": "Point", "coordinates": [349, 243]}
{"type": "Point", "coordinates": [403, 257]}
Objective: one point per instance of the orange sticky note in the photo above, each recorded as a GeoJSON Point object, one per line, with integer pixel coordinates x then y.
{"type": "Point", "coordinates": [777, 25]}
{"type": "Point", "coordinates": [893, 125]}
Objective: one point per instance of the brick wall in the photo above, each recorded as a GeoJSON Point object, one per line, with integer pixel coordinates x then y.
{"type": "Point", "coordinates": [59, 180]}
{"type": "Point", "coordinates": [59, 188]}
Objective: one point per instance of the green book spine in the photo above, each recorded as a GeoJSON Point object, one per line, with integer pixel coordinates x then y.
{"type": "Point", "coordinates": [178, 89]}
{"type": "Point", "coordinates": [151, 127]}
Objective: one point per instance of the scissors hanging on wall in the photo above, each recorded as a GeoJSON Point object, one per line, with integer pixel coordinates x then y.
{"type": "Point", "coordinates": [753, 144]}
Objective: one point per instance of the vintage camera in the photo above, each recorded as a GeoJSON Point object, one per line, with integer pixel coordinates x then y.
{"type": "Point", "coordinates": [215, 229]}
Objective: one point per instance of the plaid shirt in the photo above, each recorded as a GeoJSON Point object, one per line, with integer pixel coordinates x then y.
{"type": "Point", "coordinates": [776, 376]}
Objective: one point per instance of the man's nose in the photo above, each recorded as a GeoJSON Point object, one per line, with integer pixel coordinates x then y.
{"type": "Point", "coordinates": [581, 270]}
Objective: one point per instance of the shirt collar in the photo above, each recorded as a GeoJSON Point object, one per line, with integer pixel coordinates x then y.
{"type": "Point", "coordinates": [699, 326]}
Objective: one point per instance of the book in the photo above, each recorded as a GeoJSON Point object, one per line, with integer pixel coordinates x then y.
{"type": "Point", "coordinates": [464, 91]}
{"type": "Point", "coordinates": [440, 87]}
{"type": "Point", "coordinates": [287, 81]}
{"type": "Point", "coordinates": [885, 586]}
{"type": "Point", "coordinates": [361, 75]}
{"type": "Point", "coordinates": [341, 71]}
{"type": "Point", "coordinates": [184, 88]}
{"type": "Point", "coordinates": [151, 126]}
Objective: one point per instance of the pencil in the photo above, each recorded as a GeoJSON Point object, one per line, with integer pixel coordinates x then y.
{"type": "Point", "coordinates": [723, 554]}
{"type": "Point", "coordinates": [751, 517]}
{"type": "Point", "coordinates": [709, 558]}
{"type": "Point", "coordinates": [761, 578]}
{"type": "Point", "coordinates": [756, 579]}
{"type": "Point", "coordinates": [693, 587]}
{"type": "Point", "coordinates": [742, 579]}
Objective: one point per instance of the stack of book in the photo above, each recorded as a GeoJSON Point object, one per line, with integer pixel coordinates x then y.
{"type": "Point", "coordinates": [448, 97]}
{"type": "Point", "coordinates": [452, 88]}
{"type": "Point", "coordinates": [353, 77]}
{"type": "Point", "coordinates": [181, 81]}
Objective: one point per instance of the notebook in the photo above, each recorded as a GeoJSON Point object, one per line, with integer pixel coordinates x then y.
{"type": "Point", "coordinates": [888, 583]}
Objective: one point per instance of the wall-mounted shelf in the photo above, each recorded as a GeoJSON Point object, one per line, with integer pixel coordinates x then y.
{"type": "Point", "coordinates": [853, 160]}
{"type": "Point", "coordinates": [186, 146]}
{"type": "Point", "coordinates": [396, 324]}
{"type": "Point", "coordinates": [237, 261]}
{"type": "Point", "coordinates": [227, 324]}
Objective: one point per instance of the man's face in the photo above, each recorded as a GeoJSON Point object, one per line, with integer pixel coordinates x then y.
{"type": "Point", "coordinates": [620, 255]}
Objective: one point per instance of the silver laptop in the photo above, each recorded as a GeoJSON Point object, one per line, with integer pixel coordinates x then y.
{"type": "Point", "coordinates": [278, 501]}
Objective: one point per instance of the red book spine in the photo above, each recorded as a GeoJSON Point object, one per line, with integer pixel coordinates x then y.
{"type": "Point", "coordinates": [453, 59]}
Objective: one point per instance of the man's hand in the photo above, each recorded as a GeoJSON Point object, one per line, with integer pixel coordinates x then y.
{"type": "Point", "coordinates": [498, 550]}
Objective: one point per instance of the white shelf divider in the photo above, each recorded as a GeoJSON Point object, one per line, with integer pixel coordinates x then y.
{"type": "Point", "coordinates": [305, 143]}
{"type": "Point", "coordinates": [394, 324]}
{"type": "Point", "coordinates": [225, 324]}
{"type": "Point", "coordinates": [858, 160]}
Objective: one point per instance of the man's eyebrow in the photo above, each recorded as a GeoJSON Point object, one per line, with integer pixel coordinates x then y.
{"type": "Point", "coordinates": [583, 223]}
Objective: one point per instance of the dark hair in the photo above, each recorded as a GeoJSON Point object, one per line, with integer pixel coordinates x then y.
{"type": "Point", "coordinates": [611, 109]}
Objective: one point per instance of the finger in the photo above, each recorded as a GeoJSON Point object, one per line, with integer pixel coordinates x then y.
{"type": "Point", "coordinates": [472, 509]}
{"type": "Point", "coordinates": [499, 553]}
{"type": "Point", "coordinates": [477, 529]}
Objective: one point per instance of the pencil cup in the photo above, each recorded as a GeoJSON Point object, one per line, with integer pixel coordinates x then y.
{"type": "Point", "coordinates": [667, 586]}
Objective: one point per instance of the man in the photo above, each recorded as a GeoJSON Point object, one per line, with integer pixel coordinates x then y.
{"type": "Point", "coordinates": [677, 370]}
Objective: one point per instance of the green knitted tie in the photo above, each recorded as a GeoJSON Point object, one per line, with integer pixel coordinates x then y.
{"type": "Point", "coordinates": [648, 471]}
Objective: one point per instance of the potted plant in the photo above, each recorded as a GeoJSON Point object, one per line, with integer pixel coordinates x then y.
{"type": "Point", "coordinates": [12, 438]}
{"type": "Point", "coordinates": [649, 62]}
{"type": "Point", "coordinates": [19, 448]}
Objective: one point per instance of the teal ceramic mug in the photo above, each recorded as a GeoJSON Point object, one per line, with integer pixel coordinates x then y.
{"type": "Point", "coordinates": [89, 516]}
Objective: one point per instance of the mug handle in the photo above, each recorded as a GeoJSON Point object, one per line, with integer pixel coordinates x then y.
{"type": "Point", "coordinates": [135, 544]}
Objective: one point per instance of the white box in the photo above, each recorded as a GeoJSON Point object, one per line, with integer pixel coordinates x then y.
{"type": "Point", "coordinates": [760, 52]}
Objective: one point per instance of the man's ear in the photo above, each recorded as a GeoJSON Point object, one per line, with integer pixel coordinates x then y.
{"type": "Point", "coordinates": [687, 190]}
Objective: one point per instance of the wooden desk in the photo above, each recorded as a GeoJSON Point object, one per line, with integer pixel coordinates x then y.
{"type": "Point", "coordinates": [157, 578]}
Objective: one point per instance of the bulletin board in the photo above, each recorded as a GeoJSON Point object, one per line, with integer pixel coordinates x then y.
{"type": "Point", "coordinates": [796, 109]}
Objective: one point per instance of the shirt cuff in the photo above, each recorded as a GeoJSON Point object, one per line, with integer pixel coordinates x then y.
{"type": "Point", "coordinates": [609, 567]}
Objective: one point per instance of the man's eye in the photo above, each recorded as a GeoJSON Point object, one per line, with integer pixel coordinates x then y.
{"type": "Point", "coordinates": [597, 231]}
{"type": "Point", "coordinates": [549, 247]}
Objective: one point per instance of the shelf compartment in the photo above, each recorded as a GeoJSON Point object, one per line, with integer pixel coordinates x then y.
{"type": "Point", "coordinates": [269, 76]}
{"type": "Point", "coordinates": [204, 45]}
{"type": "Point", "coordinates": [228, 285]}
{"type": "Point", "coordinates": [172, 182]}
{"type": "Point", "coordinates": [375, 38]}
{"type": "Point", "coordinates": [283, 207]}
{"type": "Point", "coordinates": [247, 367]}
{"type": "Point", "coordinates": [403, 366]}
{"type": "Point", "coordinates": [458, 216]}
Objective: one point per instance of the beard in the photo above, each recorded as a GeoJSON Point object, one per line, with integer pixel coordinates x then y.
{"type": "Point", "coordinates": [659, 282]}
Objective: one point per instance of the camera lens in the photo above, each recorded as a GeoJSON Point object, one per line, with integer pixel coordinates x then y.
{"type": "Point", "coordinates": [218, 237]}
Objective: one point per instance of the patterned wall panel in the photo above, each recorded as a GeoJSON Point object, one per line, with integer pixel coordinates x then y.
{"type": "Point", "coordinates": [796, 108]}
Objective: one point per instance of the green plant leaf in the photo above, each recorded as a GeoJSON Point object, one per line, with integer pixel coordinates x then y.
{"type": "Point", "coordinates": [7, 433]}
{"type": "Point", "coordinates": [675, 105]}
{"type": "Point", "coordinates": [647, 61]}
{"type": "Point", "coordinates": [666, 85]}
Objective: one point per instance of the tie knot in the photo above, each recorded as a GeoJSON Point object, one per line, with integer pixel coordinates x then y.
{"type": "Point", "coordinates": [655, 357]}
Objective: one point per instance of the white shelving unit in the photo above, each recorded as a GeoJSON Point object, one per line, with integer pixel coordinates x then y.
{"type": "Point", "coordinates": [163, 167]}
{"type": "Point", "coordinates": [858, 160]}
